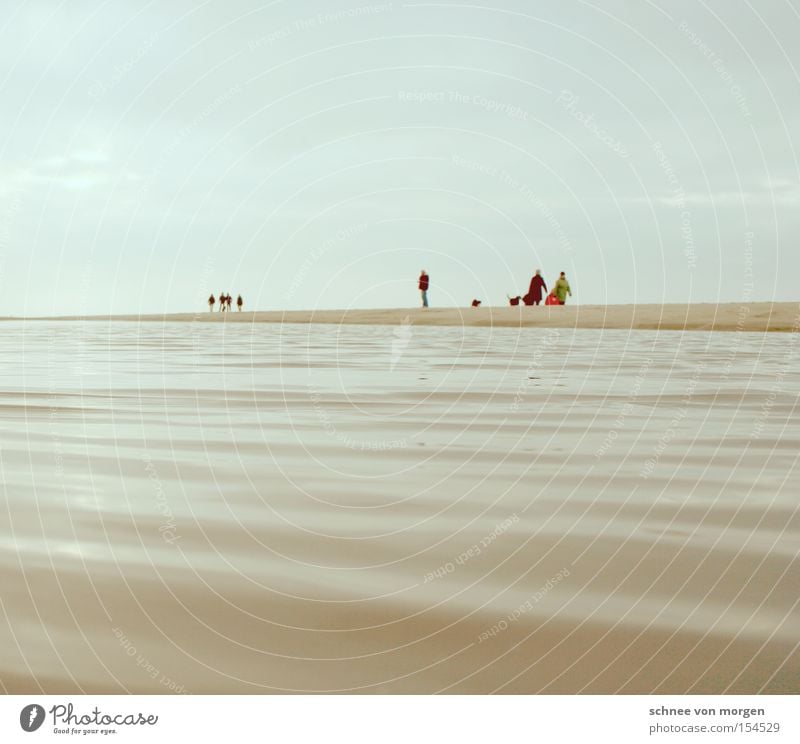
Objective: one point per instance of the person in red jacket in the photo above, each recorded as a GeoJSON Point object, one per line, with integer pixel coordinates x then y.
{"type": "Point", "coordinates": [424, 283]}
{"type": "Point", "coordinates": [534, 296]}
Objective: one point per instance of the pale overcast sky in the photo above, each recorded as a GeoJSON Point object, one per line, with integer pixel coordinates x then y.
{"type": "Point", "coordinates": [319, 154]}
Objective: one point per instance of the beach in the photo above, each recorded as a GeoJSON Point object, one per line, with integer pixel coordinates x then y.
{"type": "Point", "coordinates": [743, 317]}
{"type": "Point", "coordinates": [406, 502]}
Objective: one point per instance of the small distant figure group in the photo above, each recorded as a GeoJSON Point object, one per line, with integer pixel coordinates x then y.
{"type": "Point", "coordinates": [225, 301]}
{"type": "Point", "coordinates": [558, 294]}
{"type": "Point", "coordinates": [536, 292]}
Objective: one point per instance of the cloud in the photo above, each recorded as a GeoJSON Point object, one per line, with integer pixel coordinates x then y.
{"type": "Point", "coordinates": [76, 171]}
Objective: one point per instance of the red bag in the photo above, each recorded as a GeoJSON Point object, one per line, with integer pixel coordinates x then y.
{"type": "Point", "coordinates": [551, 300]}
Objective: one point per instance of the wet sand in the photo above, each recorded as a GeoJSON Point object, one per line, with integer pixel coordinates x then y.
{"type": "Point", "coordinates": [743, 317]}
{"type": "Point", "coordinates": [234, 508]}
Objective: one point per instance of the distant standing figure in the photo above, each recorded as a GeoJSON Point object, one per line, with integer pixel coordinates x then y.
{"type": "Point", "coordinates": [228, 301]}
{"type": "Point", "coordinates": [211, 301]}
{"type": "Point", "coordinates": [424, 283]}
{"type": "Point", "coordinates": [562, 289]}
{"type": "Point", "coordinates": [239, 303]}
{"type": "Point", "coordinates": [534, 296]}
{"type": "Point", "coordinates": [222, 302]}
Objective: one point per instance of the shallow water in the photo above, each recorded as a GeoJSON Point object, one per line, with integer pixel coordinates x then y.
{"type": "Point", "coordinates": [203, 508]}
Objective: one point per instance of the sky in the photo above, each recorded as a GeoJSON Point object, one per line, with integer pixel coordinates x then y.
{"type": "Point", "coordinates": [320, 154]}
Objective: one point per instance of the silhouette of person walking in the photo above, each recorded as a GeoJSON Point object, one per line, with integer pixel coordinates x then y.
{"type": "Point", "coordinates": [211, 301]}
{"type": "Point", "coordinates": [239, 303]}
{"type": "Point", "coordinates": [424, 283]}
{"type": "Point", "coordinates": [534, 296]}
{"type": "Point", "coordinates": [562, 289]}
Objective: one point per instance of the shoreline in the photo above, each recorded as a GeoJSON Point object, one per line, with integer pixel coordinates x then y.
{"type": "Point", "coordinates": [556, 512]}
{"type": "Point", "coordinates": [758, 317]}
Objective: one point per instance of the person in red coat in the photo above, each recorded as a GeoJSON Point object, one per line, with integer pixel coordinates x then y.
{"type": "Point", "coordinates": [534, 296]}
{"type": "Point", "coordinates": [424, 283]}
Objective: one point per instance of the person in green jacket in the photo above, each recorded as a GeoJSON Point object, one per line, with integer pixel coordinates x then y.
{"type": "Point", "coordinates": [562, 289]}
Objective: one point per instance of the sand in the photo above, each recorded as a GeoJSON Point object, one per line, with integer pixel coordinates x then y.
{"type": "Point", "coordinates": [743, 317]}
{"type": "Point", "coordinates": [210, 508]}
